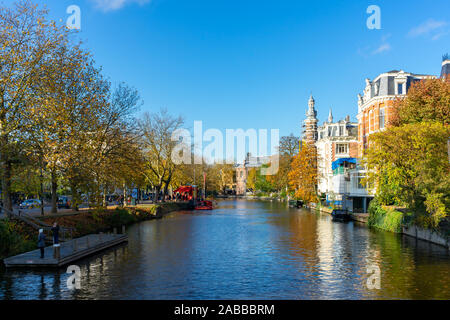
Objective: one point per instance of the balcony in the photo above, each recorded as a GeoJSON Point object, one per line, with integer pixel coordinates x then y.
{"type": "Point", "coordinates": [348, 181]}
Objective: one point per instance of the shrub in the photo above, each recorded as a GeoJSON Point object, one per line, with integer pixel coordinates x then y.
{"type": "Point", "coordinates": [384, 218]}
{"type": "Point", "coordinates": [11, 241]}
{"type": "Point", "coordinates": [120, 217]}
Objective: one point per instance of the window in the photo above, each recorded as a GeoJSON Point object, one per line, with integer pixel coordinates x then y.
{"type": "Point", "coordinates": [370, 120]}
{"type": "Point", "coordinates": [341, 148]}
{"type": "Point", "coordinates": [382, 120]}
{"type": "Point", "coordinates": [400, 86]}
{"type": "Point", "coordinates": [341, 130]}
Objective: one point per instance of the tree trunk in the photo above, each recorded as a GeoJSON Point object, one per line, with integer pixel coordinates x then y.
{"type": "Point", "coordinates": [158, 189]}
{"type": "Point", "coordinates": [54, 190]}
{"type": "Point", "coordinates": [124, 194]}
{"type": "Point", "coordinates": [75, 197]}
{"type": "Point", "coordinates": [42, 193]}
{"type": "Point", "coordinates": [6, 184]}
{"type": "Point", "coordinates": [104, 196]}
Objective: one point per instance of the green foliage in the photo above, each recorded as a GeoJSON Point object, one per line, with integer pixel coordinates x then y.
{"type": "Point", "coordinates": [119, 217]}
{"type": "Point", "coordinates": [12, 242]}
{"type": "Point", "coordinates": [409, 166]}
{"type": "Point", "coordinates": [384, 218]}
{"type": "Point", "coordinates": [262, 183]}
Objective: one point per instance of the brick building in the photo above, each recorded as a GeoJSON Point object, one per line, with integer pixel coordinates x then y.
{"type": "Point", "coordinates": [242, 170]}
{"type": "Point", "coordinates": [375, 105]}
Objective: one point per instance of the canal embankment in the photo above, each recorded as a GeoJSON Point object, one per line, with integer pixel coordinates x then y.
{"type": "Point", "coordinates": [16, 237]}
{"type": "Point", "coordinates": [394, 220]}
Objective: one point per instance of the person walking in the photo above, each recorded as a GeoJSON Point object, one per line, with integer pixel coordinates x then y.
{"type": "Point", "coordinates": [41, 242]}
{"type": "Point", "coordinates": [55, 231]}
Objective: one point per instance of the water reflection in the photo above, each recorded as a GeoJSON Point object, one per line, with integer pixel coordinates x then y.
{"type": "Point", "coordinates": [247, 250]}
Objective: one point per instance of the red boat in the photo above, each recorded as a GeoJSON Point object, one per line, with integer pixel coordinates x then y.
{"type": "Point", "coordinates": [204, 205]}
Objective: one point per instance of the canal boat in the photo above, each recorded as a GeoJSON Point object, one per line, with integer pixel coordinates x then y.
{"type": "Point", "coordinates": [341, 215]}
{"type": "Point", "coordinates": [295, 203]}
{"type": "Point", "coordinates": [204, 205]}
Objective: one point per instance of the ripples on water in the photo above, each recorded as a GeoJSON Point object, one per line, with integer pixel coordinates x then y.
{"type": "Point", "coordinates": [248, 250]}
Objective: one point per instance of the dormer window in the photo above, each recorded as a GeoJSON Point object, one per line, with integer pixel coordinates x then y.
{"type": "Point", "coordinates": [400, 86]}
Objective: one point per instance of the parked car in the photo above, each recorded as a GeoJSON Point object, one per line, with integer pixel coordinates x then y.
{"type": "Point", "coordinates": [64, 202]}
{"type": "Point", "coordinates": [30, 204]}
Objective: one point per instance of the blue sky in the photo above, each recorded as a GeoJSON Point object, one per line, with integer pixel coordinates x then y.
{"type": "Point", "coordinates": [253, 63]}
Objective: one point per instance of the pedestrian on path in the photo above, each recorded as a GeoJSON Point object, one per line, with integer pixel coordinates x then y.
{"type": "Point", "coordinates": [41, 242]}
{"type": "Point", "coordinates": [55, 231]}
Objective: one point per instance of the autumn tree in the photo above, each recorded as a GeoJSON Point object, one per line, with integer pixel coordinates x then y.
{"type": "Point", "coordinates": [26, 41]}
{"type": "Point", "coordinates": [409, 166]}
{"type": "Point", "coordinates": [303, 174]}
{"type": "Point", "coordinates": [408, 162]}
{"type": "Point", "coordinates": [251, 178]}
{"type": "Point", "coordinates": [157, 145]}
{"type": "Point", "coordinates": [427, 100]}
{"type": "Point", "coordinates": [116, 154]}
{"type": "Point", "coordinates": [219, 176]}
{"type": "Point", "coordinates": [287, 150]}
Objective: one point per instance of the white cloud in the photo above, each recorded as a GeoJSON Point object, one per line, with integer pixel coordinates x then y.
{"type": "Point", "coordinates": [382, 48]}
{"type": "Point", "coordinates": [440, 34]}
{"type": "Point", "coordinates": [429, 26]}
{"type": "Point", "coordinates": [111, 5]}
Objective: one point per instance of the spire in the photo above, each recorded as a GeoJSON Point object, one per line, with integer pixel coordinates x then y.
{"type": "Point", "coordinates": [311, 113]}
{"type": "Point", "coordinates": [330, 117]}
{"type": "Point", "coordinates": [310, 124]}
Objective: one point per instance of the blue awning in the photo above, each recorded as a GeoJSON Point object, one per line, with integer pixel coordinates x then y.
{"type": "Point", "coordinates": [340, 161]}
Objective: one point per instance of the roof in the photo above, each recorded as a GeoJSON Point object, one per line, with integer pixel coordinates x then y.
{"type": "Point", "coordinates": [183, 189]}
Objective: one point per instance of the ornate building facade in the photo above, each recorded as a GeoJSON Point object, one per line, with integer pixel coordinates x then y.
{"type": "Point", "coordinates": [336, 140]}
{"type": "Point", "coordinates": [375, 105]}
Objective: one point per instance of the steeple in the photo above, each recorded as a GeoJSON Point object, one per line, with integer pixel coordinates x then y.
{"type": "Point", "coordinates": [330, 117]}
{"type": "Point", "coordinates": [311, 113]}
{"type": "Point", "coordinates": [309, 134]}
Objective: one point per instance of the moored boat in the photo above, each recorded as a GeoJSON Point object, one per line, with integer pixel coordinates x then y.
{"type": "Point", "coordinates": [204, 205]}
{"type": "Point", "coordinates": [341, 215]}
{"type": "Point", "coordinates": [295, 203]}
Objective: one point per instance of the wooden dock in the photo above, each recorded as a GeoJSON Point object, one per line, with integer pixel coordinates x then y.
{"type": "Point", "coordinates": [70, 251]}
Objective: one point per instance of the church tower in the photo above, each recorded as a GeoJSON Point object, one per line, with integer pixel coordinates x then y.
{"type": "Point", "coordinates": [309, 134]}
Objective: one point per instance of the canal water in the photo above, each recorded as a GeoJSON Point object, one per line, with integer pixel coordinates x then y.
{"type": "Point", "coordinates": [249, 250]}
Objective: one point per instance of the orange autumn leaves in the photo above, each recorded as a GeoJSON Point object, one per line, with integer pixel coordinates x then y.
{"type": "Point", "coordinates": [303, 174]}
